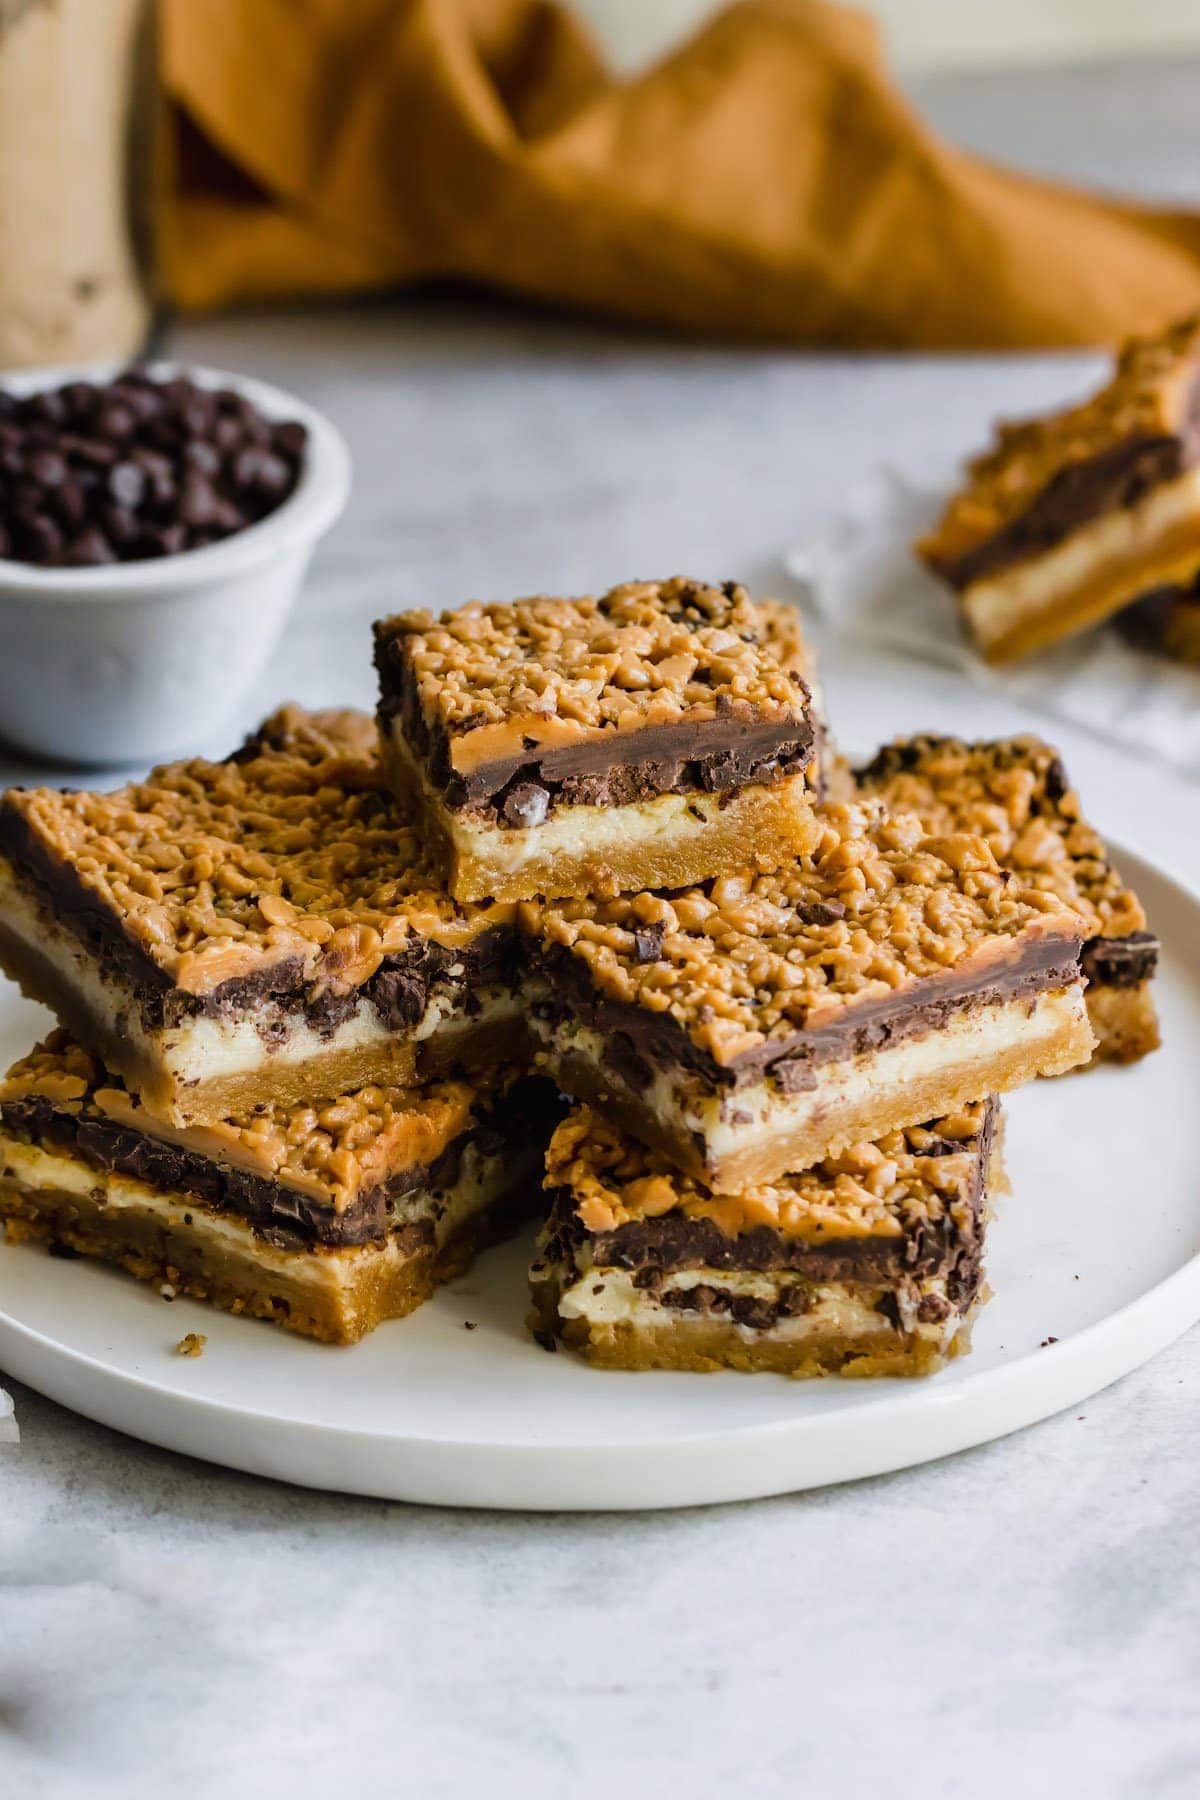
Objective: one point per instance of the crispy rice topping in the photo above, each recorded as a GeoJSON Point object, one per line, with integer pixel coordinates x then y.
{"type": "Point", "coordinates": [292, 848]}
{"type": "Point", "coordinates": [1015, 794]}
{"type": "Point", "coordinates": [881, 1189]}
{"type": "Point", "coordinates": [876, 907]}
{"type": "Point", "coordinates": [1146, 397]}
{"type": "Point", "coordinates": [542, 672]}
{"type": "Point", "coordinates": [333, 1151]}
{"type": "Point", "coordinates": [781, 629]}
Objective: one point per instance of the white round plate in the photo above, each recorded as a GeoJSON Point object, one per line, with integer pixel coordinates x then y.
{"type": "Point", "coordinates": [1093, 1262]}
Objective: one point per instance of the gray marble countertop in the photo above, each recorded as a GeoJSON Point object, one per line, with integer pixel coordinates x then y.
{"type": "Point", "coordinates": [1022, 1618]}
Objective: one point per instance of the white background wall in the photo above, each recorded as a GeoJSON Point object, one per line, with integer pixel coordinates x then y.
{"type": "Point", "coordinates": [928, 34]}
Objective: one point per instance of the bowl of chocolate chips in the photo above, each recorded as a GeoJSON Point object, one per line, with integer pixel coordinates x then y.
{"type": "Point", "coordinates": [155, 528]}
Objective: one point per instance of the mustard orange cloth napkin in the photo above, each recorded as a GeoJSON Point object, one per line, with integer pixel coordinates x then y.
{"type": "Point", "coordinates": [766, 180]}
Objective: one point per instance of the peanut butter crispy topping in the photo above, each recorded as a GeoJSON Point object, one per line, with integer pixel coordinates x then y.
{"type": "Point", "coordinates": [1015, 794]}
{"type": "Point", "coordinates": [1147, 403]}
{"type": "Point", "coordinates": [497, 681]}
{"type": "Point", "coordinates": [887, 1188]}
{"type": "Point", "coordinates": [749, 959]}
{"type": "Point", "coordinates": [332, 1152]}
{"type": "Point", "coordinates": [290, 851]}
{"type": "Point", "coordinates": [781, 629]}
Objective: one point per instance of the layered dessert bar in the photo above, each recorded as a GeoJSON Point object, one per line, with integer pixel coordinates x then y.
{"type": "Point", "coordinates": [869, 1263]}
{"type": "Point", "coordinates": [758, 1022]}
{"type": "Point", "coordinates": [1015, 793]}
{"type": "Point", "coordinates": [261, 929]}
{"type": "Point", "coordinates": [1070, 517]}
{"type": "Point", "coordinates": [638, 740]}
{"type": "Point", "coordinates": [325, 1218]}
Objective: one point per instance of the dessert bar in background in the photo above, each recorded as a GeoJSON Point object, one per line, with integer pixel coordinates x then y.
{"type": "Point", "coordinates": [870, 1263]}
{"type": "Point", "coordinates": [757, 1023]}
{"type": "Point", "coordinates": [1166, 621]}
{"type": "Point", "coordinates": [1070, 517]}
{"type": "Point", "coordinates": [263, 929]}
{"type": "Point", "coordinates": [644, 739]}
{"type": "Point", "coordinates": [327, 1219]}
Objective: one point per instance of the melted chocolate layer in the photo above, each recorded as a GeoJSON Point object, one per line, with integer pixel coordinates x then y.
{"type": "Point", "coordinates": [1123, 962]}
{"type": "Point", "coordinates": [703, 756]}
{"type": "Point", "coordinates": [399, 989]}
{"type": "Point", "coordinates": [650, 1248]}
{"type": "Point", "coordinates": [278, 1212]}
{"type": "Point", "coordinates": [639, 1042]}
{"type": "Point", "coordinates": [1079, 493]}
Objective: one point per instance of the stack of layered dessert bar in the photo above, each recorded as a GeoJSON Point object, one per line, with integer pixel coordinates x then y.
{"type": "Point", "coordinates": [782, 1022]}
{"type": "Point", "coordinates": [594, 891]}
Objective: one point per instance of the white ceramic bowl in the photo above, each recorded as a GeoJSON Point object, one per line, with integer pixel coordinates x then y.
{"type": "Point", "coordinates": [134, 662]}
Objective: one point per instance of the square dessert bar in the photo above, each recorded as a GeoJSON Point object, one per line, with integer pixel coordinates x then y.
{"type": "Point", "coordinates": [759, 1022]}
{"type": "Point", "coordinates": [327, 1219]}
{"type": "Point", "coordinates": [870, 1263]}
{"type": "Point", "coordinates": [1070, 517]}
{"type": "Point", "coordinates": [264, 928]}
{"type": "Point", "coordinates": [1015, 793]}
{"type": "Point", "coordinates": [637, 740]}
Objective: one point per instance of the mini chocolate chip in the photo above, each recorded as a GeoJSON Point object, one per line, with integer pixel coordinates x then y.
{"type": "Point", "coordinates": [48, 468]}
{"type": "Point", "coordinates": [144, 403]}
{"type": "Point", "coordinates": [115, 422]}
{"type": "Point", "coordinates": [648, 943]}
{"type": "Point", "coordinates": [48, 408]}
{"type": "Point", "coordinates": [70, 503]}
{"type": "Point", "coordinates": [526, 805]}
{"type": "Point", "coordinates": [202, 456]}
{"type": "Point", "coordinates": [261, 473]}
{"type": "Point", "coordinates": [289, 439]}
{"type": "Point", "coordinates": [120, 524]}
{"type": "Point", "coordinates": [198, 414]}
{"type": "Point", "coordinates": [163, 432]}
{"type": "Point", "coordinates": [227, 434]}
{"type": "Point", "coordinates": [127, 484]}
{"type": "Point", "coordinates": [161, 540]}
{"type": "Point", "coordinates": [91, 450]}
{"type": "Point", "coordinates": [26, 499]}
{"type": "Point", "coordinates": [39, 538]}
{"type": "Point", "coordinates": [91, 546]}
{"type": "Point", "coordinates": [821, 912]}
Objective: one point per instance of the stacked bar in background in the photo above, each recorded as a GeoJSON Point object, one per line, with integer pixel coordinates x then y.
{"type": "Point", "coordinates": [1077, 515]}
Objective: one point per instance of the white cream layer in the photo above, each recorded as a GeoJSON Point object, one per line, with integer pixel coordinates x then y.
{"type": "Point", "coordinates": [967, 1041]}
{"type": "Point", "coordinates": [998, 603]}
{"type": "Point", "coordinates": [610, 1297]}
{"type": "Point", "coordinates": [482, 1182]}
{"type": "Point", "coordinates": [203, 1049]}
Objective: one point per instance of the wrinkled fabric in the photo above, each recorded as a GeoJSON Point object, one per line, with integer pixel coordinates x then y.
{"type": "Point", "coordinates": [766, 180]}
